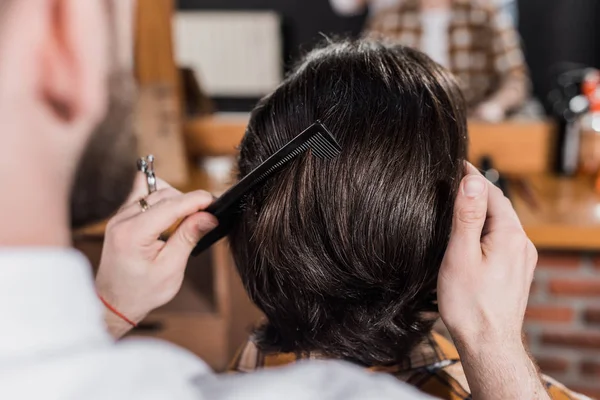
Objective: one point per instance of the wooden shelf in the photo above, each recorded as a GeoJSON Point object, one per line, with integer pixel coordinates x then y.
{"type": "Point", "coordinates": [518, 146]}
{"type": "Point", "coordinates": [215, 135]}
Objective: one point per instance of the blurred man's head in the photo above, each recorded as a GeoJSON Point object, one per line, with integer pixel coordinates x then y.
{"type": "Point", "coordinates": [66, 107]}
{"type": "Point", "coordinates": [342, 256]}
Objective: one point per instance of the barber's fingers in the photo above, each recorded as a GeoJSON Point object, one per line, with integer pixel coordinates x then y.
{"type": "Point", "coordinates": [184, 239]}
{"type": "Point", "coordinates": [501, 214]}
{"type": "Point", "coordinates": [470, 169]}
{"type": "Point", "coordinates": [162, 215]}
{"type": "Point", "coordinates": [470, 210]}
{"type": "Point", "coordinates": [134, 208]}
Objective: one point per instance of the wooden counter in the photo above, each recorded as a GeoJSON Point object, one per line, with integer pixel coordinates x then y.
{"type": "Point", "coordinates": [563, 213]}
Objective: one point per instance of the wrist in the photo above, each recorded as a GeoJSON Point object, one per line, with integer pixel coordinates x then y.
{"type": "Point", "coordinates": [116, 326]}
{"type": "Point", "coordinates": [119, 319]}
{"type": "Point", "coordinates": [498, 368]}
{"type": "Point", "coordinates": [487, 341]}
{"type": "Point", "coordinates": [128, 309]}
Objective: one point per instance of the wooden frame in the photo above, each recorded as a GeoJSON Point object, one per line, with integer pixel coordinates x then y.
{"type": "Point", "coordinates": [159, 113]}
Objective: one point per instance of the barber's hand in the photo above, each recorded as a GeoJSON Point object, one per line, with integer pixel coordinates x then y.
{"type": "Point", "coordinates": [486, 274]}
{"type": "Point", "coordinates": [139, 273]}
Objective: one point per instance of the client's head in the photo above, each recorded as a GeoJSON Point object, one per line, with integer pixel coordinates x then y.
{"type": "Point", "coordinates": [342, 256]}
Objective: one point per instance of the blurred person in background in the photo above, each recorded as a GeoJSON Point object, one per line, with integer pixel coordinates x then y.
{"type": "Point", "coordinates": [67, 157]}
{"type": "Point", "coordinates": [474, 39]}
{"type": "Point", "coordinates": [355, 7]}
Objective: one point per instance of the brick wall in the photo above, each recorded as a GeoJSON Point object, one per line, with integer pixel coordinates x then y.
{"type": "Point", "coordinates": [563, 320]}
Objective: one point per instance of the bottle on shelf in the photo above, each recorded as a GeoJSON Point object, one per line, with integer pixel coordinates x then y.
{"type": "Point", "coordinates": [589, 127]}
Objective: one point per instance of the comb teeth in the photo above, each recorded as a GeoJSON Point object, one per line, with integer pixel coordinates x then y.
{"type": "Point", "coordinates": [319, 146]}
{"type": "Point", "coordinates": [316, 138]}
{"type": "Point", "coordinates": [322, 148]}
{"type": "Point", "coordinates": [301, 149]}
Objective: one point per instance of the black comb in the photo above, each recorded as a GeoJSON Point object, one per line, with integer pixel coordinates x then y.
{"type": "Point", "coordinates": [227, 208]}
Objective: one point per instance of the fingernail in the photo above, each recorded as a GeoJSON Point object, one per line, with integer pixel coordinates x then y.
{"type": "Point", "coordinates": [473, 186]}
{"type": "Point", "coordinates": [208, 224]}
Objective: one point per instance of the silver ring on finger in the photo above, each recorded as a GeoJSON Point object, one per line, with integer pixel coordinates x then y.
{"type": "Point", "coordinates": [143, 204]}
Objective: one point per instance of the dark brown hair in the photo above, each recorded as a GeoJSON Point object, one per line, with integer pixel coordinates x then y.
{"type": "Point", "coordinates": [342, 256]}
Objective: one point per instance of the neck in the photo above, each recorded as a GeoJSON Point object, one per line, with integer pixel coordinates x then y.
{"type": "Point", "coordinates": [32, 218]}
{"type": "Point", "coordinates": [34, 203]}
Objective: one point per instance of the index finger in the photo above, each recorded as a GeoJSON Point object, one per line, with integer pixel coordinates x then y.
{"type": "Point", "coordinates": [164, 214]}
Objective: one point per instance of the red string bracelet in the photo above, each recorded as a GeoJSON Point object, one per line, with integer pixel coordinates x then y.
{"type": "Point", "coordinates": [116, 312]}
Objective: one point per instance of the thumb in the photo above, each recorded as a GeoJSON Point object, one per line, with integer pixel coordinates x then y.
{"type": "Point", "coordinates": [470, 210]}
{"type": "Point", "coordinates": [184, 239]}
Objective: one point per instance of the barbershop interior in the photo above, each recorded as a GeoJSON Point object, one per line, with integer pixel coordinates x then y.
{"type": "Point", "coordinates": [529, 71]}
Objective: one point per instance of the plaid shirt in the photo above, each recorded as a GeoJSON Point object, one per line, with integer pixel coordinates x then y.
{"type": "Point", "coordinates": [433, 366]}
{"type": "Point", "coordinates": [484, 49]}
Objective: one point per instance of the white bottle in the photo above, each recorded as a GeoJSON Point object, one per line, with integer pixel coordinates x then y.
{"type": "Point", "coordinates": [589, 147]}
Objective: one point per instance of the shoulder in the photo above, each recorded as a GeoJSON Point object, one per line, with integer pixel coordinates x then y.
{"type": "Point", "coordinates": [149, 369]}
{"type": "Point", "coordinates": [139, 369]}
{"type": "Point", "coordinates": [312, 379]}
{"type": "Point", "coordinates": [151, 353]}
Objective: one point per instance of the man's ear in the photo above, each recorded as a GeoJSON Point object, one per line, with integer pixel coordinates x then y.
{"type": "Point", "coordinates": [74, 61]}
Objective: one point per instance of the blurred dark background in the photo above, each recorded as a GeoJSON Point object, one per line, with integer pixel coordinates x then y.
{"type": "Point", "coordinates": [557, 33]}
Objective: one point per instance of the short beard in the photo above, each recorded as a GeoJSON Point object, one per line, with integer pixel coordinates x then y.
{"type": "Point", "coordinates": [107, 169]}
